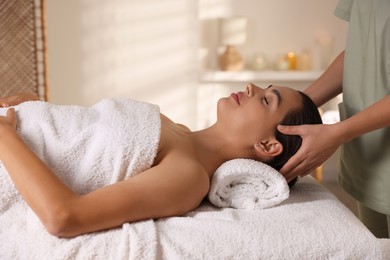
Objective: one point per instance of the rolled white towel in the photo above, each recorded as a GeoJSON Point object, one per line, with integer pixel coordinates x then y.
{"type": "Point", "coordinates": [247, 184]}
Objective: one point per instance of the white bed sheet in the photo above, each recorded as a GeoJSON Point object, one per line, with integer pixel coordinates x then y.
{"type": "Point", "coordinates": [311, 224]}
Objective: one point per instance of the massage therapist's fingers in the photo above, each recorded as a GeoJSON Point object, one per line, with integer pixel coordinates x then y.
{"type": "Point", "coordinates": [302, 163]}
{"type": "Point", "coordinates": [314, 151]}
{"type": "Point", "coordinates": [292, 129]}
{"type": "Point", "coordinates": [289, 169]}
{"type": "Point", "coordinates": [299, 171]}
{"type": "Point", "coordinates": [295, 169]}
{"type": "Point", "coordinates": [308, 156]}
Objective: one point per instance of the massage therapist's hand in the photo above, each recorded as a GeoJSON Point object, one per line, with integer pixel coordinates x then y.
{"type": "Point", "coordinates": [17, 99]}
{"type": "Point", "coordinates": [319, 142]}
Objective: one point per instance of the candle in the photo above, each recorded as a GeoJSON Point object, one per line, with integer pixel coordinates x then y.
{"type": "Point", "coordinates": [292, 60]}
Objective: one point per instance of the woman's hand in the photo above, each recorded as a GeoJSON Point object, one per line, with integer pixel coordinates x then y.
{"type": "Point", "coordinates": [9, 120]}
{"type": "Point", "coordinates": [319, 142]}
{"type": "Point", "coordinates": [17, 99]}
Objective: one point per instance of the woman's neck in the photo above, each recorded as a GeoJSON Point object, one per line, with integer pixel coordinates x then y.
{"type": "Point", "coordinates": [210, 147]}
{"type": "Point", "coordinates": [213, 147]}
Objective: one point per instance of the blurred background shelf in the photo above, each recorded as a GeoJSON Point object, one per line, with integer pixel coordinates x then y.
{"type": "Point", "coordinates": [258, 76]}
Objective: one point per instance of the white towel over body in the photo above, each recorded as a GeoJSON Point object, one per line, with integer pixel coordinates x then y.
{"type": "Point", "coordinates": [91, 147]}
{"type": "Point", "coordinates": [247, 184]}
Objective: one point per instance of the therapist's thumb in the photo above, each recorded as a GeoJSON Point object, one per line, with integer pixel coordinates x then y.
{"type": "Point", "coordinates": [288, 129]}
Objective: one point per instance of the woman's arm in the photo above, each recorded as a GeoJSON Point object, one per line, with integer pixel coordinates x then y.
{"type": "Point", "coordinates": [17, 99]}
{"type": "Point", "coordinates": [171, 188]}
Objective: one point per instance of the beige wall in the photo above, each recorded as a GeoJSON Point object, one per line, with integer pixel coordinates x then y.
{"type": "Point", "coordinates": [106, 48]}
{"type": "Point", "coordinates": [146, 50]}
{"type": "Point", "coordinates": [64, 51]}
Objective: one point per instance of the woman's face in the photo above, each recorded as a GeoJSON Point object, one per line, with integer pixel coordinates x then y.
{"type": "Point", "coordinates": [253, 114]}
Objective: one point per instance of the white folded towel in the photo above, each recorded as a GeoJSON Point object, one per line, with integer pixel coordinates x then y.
{"type": "Point", "coordinates": [247, 184]}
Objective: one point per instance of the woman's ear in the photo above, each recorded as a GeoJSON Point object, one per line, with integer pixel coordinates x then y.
{"type": "Point", "coordinates": [267, 149]}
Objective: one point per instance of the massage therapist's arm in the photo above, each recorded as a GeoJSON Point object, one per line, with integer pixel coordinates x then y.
{"type": "Point", "coordinates": [329, 84]}
{"type": "Point", "coordinates": [157, 192]}
{"type": "Point", "coordinates": [314, 150]}
{"type": "Point", "coordinates": [321, 141]}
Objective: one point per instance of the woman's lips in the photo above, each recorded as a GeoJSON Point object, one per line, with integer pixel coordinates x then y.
{"type": "Point", "coordinates": [235, 97]}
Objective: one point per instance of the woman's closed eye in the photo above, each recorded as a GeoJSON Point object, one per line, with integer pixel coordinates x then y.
{"type": "Point", "coordinates": [265, 101]}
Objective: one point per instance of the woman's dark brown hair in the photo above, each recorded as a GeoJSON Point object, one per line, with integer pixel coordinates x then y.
{"type": "Point", "coordinates": [308, 114]}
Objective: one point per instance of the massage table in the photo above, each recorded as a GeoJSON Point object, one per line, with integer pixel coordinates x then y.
{"type": "Point", "coordinates": [311, 224]}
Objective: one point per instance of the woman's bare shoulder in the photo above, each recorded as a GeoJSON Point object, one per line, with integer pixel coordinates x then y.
{"type": "Point", "coordinates": [174, 140]}
{"type": "Point", "coordinates": [185, 167]}
{"type": "Point", "coordinates": [177, 157]}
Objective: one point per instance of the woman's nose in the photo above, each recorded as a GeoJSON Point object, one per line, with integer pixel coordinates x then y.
{"type": "Point", "coordinates": [250, 89]}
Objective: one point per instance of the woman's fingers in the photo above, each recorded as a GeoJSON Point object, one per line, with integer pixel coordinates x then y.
{"type": "Point", "coordinates": [9, 118]}
{"type": "Point", "coordinates": [11, 113]}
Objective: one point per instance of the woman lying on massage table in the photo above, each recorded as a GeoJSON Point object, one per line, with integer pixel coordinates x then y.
{"type": "Point", "coordinates": [179, 178]}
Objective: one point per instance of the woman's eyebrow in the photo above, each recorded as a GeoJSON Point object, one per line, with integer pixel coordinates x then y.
{"type": "Point", "coordinates": [277, 94]}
